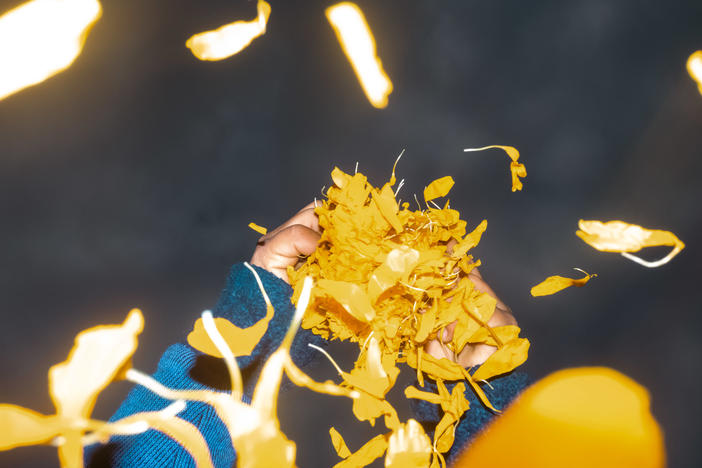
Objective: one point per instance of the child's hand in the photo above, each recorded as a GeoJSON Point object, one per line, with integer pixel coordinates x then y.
{"type": "Point", "coordinates": [284, 245]}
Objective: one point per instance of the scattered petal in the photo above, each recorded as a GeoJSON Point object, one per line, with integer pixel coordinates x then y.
{"type": "Point", "coordinates": [438, 188]}
{"type": "Point", "coordinates": [408, 447]}
{"type": "Point", "coordinates": [231, 38]}
{"type": "Point", "coordinates": [21, 426]}
{"type": "Point", "coordinates": [553, 284]}
{"type": "Point", "coordinates": [619, 236]}
{"type": "Point", "coordinates": [517, 169]}
{"type": "Point", "coordinates": [357, 41]}
{"type": "Point", "coordinates": [338, 442]}
{"type": "Point", "coordinates": [259, 229]}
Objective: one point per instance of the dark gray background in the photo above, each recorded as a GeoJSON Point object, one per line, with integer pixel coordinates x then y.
{"type": "Point", "coordinates": [129, 179]}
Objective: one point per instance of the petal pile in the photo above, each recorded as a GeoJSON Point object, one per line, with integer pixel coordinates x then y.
{"type": "Point", "coordinates": [392, 279]}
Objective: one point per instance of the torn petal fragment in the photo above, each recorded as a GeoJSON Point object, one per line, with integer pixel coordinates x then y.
{"type": "Point", "coordinates": [438, 188]}
{"type": "Point", "coordinates": [259, 229]}
{"type": "Point", "coordinates": [517, 169]}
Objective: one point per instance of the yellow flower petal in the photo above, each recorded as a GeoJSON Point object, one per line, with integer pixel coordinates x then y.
{"type": "Point", "coordinates": [371, 450]}
{"type": "Point", "coordinates": [438, 188]}
{"type": "Point", "coordinates": [259, 229]}
{"type": "Point", "coordinates": [553, 284]}
{"type": "Point", "coordinates": [580, 418]}
{"type": "Point", "coordinates": [97, 356]}
{"type": "Point", "coordinates": [338, 442]}
{"type": "Point", "coordinates": [229, 39]}
{"type": "Point", "coordinates": [694, 68]}
{"type": "Point", "coordinates": [504, 360]}
{"type": "Point", "coordinates": [619, 236]}
{"type": "Point", "coordinates": [517, 169]}
{"type": "Point", "coordinates": [21, 426]}
{"type": "Point", "coordinates": [408, 447]}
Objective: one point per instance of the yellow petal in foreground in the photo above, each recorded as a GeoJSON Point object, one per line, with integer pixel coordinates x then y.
{"type": "Point", "coordinates": [358, 44]}
{"type": "Point", "coordinates": [438, 188]}
{"type": "Point", "coordinates": [553, 284]}
{"type": "Point", "coordinates": [517, 169]}
{"type": "Point", "coordinates": [231, 38]}
{"type": "Point", "coordinates": [619, 236]}
{"type": "Point", "coordinates": [20, 426]}
{"type": "Point", "coordinates": [694, 68]}
{"type": "Point", "coordinates": [41, 38]}
{"type": "Point", "coordinates": [98, 355]}
{"type": "Point", "coordinates": [579, 418]}
{"type": "Point", "coordinates": [408, 447]}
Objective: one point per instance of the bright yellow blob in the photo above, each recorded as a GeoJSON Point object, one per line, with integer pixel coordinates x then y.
{"type": "Point", "coordinates": [582, 417]}
{"type": "Point", "coordinates": [229, 39]}
{"type": "Point", "coordinates": [694, 68]}
{"type": "Point", "coordinates": [41, 38]}
{"type": "Point", "coordinates": [358, 44]}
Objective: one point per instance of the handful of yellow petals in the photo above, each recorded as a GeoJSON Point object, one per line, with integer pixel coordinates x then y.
{"type": "Point", "coordinates": [386, 278]}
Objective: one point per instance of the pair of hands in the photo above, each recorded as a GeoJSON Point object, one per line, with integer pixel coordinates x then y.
{"type": "Point", "coordinates": [298, 237]}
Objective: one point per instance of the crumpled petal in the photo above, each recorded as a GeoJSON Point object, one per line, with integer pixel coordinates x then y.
{"type": "Point", "coordinates": [619, 236]}
{"type": "Point", "coordinates": [504, 360]}
{"type": "Point", "coordinates": [438, 188]}
{"type": "Point", "coordinates": [371, 450]}
{"type": "Point", "coordinates": [338, 442]}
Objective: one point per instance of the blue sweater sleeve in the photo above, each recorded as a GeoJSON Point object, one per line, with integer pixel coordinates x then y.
{"type": "Point", "coordinates": [182, 367]}
{"type": "Point", "coordinates": [500, 392]}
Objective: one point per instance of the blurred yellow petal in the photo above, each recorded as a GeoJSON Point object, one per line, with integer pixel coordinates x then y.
{"type": "Point", "coordinates": [517, 169]}
{"type": "Point", "coordinates": [408, 447]}
{"type": "Point", "coordinates": [576, 418]}
{"type": "Point", "coordinates": [694, 68]}
{"type": "Point", "coordinates": [41, 38]}
{"type": "Point", "coordinates": [553, 284]}
{"type": "Point", "coordinates": [21, 426]}
{"type": "Point", "coordinates": [438, 188]}
{"type": "Point", "coordinates": [619, 236]}
{"type": "Point", "coordinates": [357, 41]}
{"type": "Point", "coordinates": [229, 39]}
{"type": "Point", "coordinates": [371, 450]}
{"type": "Point", "coordinates": [97, 356]}
{"type": "Point", "coordinates": [259, 229]}
{"type": "Point", "coordinates": [338, 442]}
{"type": "Point", "coordinates": [242, 341]}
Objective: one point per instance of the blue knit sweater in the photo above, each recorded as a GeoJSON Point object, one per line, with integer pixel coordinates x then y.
{"type": "Point", "coordinates": [182, 367]}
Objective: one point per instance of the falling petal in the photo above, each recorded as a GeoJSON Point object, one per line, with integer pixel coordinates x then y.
{"type": "Point", "coordinates": [364, 456]}
{"type": "Point", "coordinates": [357, 41]}
{"type": "Point", "coordinates": [338, 443]}
{"type": "Point", "coordinates": [553, 284]}
{"type": "Point", "coordinates": [259, 229]}
{"type": "Point", "coordinates": [20, 426]}
{"type": "Point", "coordinates": [517, 169]}
{"type": "Point", "coordinates": [504, 360]}
{"type": "Point", "coordinates": [694, 68]}
{"type": "Point", "coordinates": [619, 236]}
{"type": "Point", "coordinates": [408, 447]}
{"type": "Point", "coordinates": [438, 188]}
{"type": "Point", "coordinates": [231, 38]}
{"type": "Point", "coordinates": [41, 38]}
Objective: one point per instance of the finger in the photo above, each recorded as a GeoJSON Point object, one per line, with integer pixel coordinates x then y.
{"type": "Point", "coordinates": [284, 249]}
{"type": "Point", "coordinates": [306, 217]}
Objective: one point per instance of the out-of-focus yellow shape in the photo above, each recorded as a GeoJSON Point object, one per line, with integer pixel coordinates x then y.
{"type": "Point", "coordinates": [408, 446]}
{"type": "Point", "coordinates": [579, 418]}
{"type": "Point", "coordinates": [41, 38]}
{"type": "Point", "coordinates": [438, 188]}
{"type": "Point", "coordinates": [553, 284]}
{"type": "Point", "coordinates": [98, 355]}
{"type": "Point", "coordinates": [229, 39]}
{"type": "Point", "coordinates": [21, 426]}
{"type": "Point", "coordinates": [338, 442]}
{"type": "Point", "coordinates": [694, 68]}
{"type": "Point", "coordinates": [358, 44]}
{"type": "Point", "coordinates": [517, 169]}
{"type": "Point", "coordinates": [619, 236]}
{"type": "Point", "coordinates": [259, 229]}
